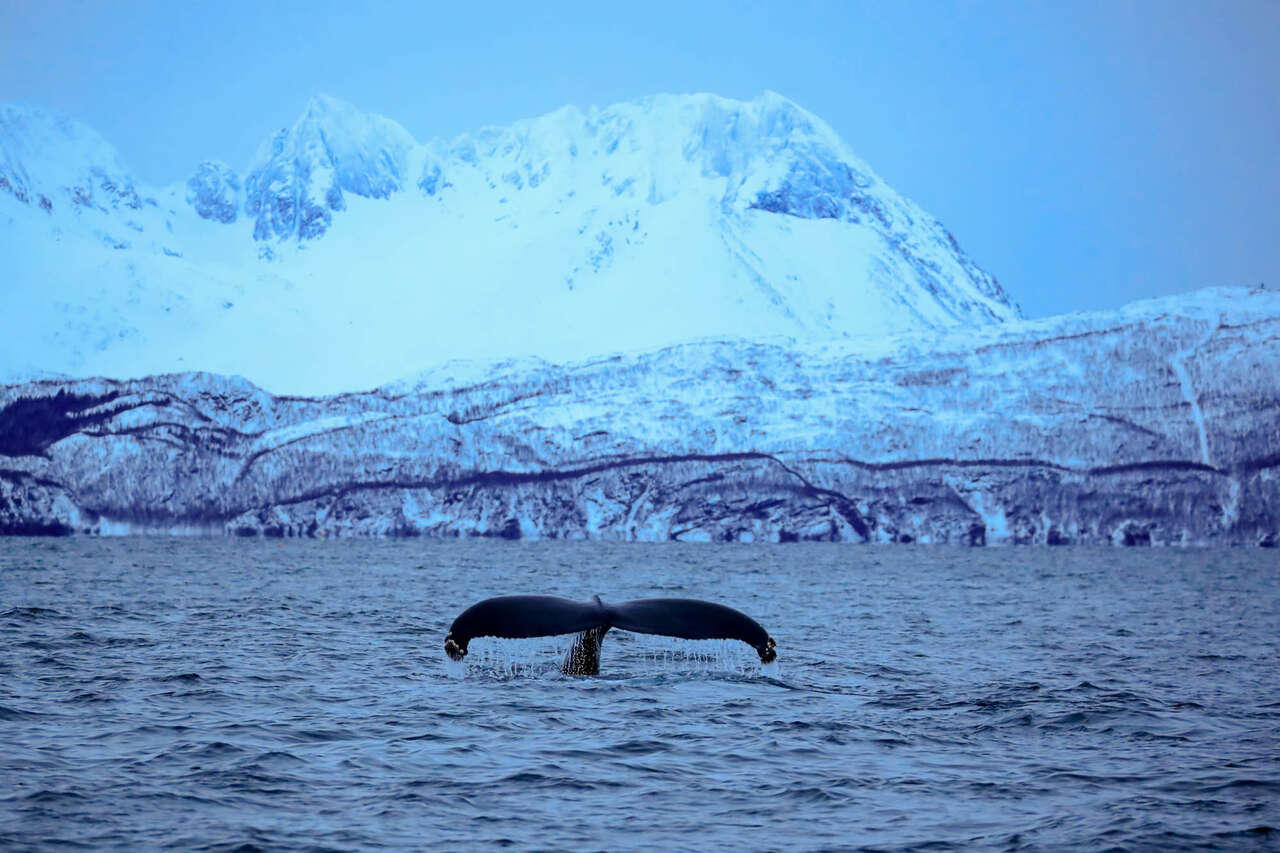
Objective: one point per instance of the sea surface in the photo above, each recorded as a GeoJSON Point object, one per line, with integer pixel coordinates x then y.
{"type": "Point", "coordinates": [224, 694]}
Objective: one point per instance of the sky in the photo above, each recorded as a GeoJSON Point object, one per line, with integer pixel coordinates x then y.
{"type": "Point", "coordinates": [1085, 153]}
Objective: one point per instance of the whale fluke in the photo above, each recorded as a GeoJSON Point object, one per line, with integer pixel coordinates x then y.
{"type": "Point", "coordinates": [518, 616]}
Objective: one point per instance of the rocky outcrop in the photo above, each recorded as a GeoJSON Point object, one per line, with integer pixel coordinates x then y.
{"type": "Point", "coordinates": [1157, 425]}
{"type": "Point", "coordinates": [299, 179]}
{"type": "Point", "coordinates": [214, 191]}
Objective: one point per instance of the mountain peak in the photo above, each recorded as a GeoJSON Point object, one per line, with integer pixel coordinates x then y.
{"type": "Point", "coordinates": [299, 178]}
{"type": "Point", "coordinates": [326, 113]}
{"type": "Point", "coordinates": [640, 224]}
{"type": "Point", "coordinates": [322, 103]}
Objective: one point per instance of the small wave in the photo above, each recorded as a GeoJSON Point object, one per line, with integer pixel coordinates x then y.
{"type": "Point", "coordinates": [154, 729]}
{"type": "Point", "coordinates": [228, 847]}
{"type": "Point", "coordinates": [912, 700]}
{"type": "Point", "coordinates": [1144, 734]}
{"type": "Point", "coordinates": [128, 642]}
{"type": "Point", "coordinates": [425, 736]}
{"type": "Point", "coordinates": [637, 747]}
{"type": "Point", "coordinates": [542, 781]}
{"type": "Point", "coordinates": [90, 697]}
{"type": "Point", "coordinates": [175, 797]}
{"type": "Point", "coordinates": [10, 715]}
{"type": "Point", "coordinates": [278, 756]}
{"type": "Point", "coordinates": [274, 678]}
{"type": "Point", "coordinates": [246, 781]}
{"type": "Point", "coordinates": [649, 713]}
{"type": "Point", "coordinates": [1244, 839]}
{"type": "Point", "coordinates": [1255, 784]}
{"type": "Point", "coordinates": [814, 794]}
{"type": "Point", "coordinates": [1013, 719]}
{"type": "Point", "coordinates": [1074, 719]}
{"type": "Point", "coordinates": [188, 751]}
{"type": "Point", "coordinates": [213, 749]}
{"type": "Point", "coordinates": [49, 797]}
{"type": "Point", "coordinates": [30, 613]}
{"type": "Point", "coordinates": [202, 695]}
{"type": "Point", "coordinates": [182, 678]}
{"type": "Point", "coordinates": [206, 615]}
{"type": "Point", "coordinates": [809, 687]}
{"type": "Point", "coordinates": [1122, 718]}
{"type": "Point", "coordinates": [301, 735]}
{"type": "Point", "coordinates": [1096, 779]}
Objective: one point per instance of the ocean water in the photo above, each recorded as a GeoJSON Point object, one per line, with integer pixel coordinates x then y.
{"type": "Point", "coordinates": [220, 694]}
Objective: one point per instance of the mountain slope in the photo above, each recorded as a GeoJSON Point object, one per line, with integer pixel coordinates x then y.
{"type": "Point", "coordinates": [1158, 424]}
{"type": "Point", "coordinates": [348, 254]}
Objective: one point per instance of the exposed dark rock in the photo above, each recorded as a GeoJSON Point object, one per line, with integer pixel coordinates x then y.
{"type": "Point", "coordinates": [29, 425]}
{"type": "Point", "coordinates": [35, 528]}
{"type": "Point", "coordinates": [1133, 534]}
{"type": "Point", "coordinates": [214, 191]}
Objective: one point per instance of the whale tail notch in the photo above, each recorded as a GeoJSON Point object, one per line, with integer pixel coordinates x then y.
{"type": "Point", "coordinates": [520, 616]}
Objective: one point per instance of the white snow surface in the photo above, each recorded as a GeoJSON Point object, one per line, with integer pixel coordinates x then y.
{"type": "Point", "coordinates": [349, 254]}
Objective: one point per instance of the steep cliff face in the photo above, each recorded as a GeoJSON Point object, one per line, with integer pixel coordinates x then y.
{"type": "Point", "coordinates": [300, 176]}
{"type": "Point", "coordinates": [362, 255]}
{"type": "Point", "coordinates": [1159, 424]}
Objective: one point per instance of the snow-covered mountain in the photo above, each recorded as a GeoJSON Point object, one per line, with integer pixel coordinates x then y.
{"type": "Point", "coordinates": [348, 254]}
{"type": "Point", "coordinates": [687, 317]}
{"type": "Point", "coordinates": [1158, 424]}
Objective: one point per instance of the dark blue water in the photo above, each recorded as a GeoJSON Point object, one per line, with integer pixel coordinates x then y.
{"type": "Point", "coordinates": [222, 694]}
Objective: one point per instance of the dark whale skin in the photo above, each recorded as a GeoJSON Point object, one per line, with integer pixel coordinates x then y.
{"type": "Point", "coordinates": [519, 616]}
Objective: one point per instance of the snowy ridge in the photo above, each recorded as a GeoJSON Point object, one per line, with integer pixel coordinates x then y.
{"type": "Point", "coordinates": [348, 254]}
{"type": "Point", "coordinates": [1070, 430]}
{"type": "Point", "coordinates": [71, 165]}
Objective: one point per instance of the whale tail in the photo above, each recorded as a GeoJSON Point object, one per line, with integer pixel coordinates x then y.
{"type": "Point", "coordinates": [519, 616]}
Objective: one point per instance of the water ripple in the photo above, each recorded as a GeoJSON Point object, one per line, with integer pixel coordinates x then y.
{"type": "Point", "coordinates": [227, 695]}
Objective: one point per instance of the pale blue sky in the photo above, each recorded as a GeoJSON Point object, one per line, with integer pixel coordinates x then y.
{"type": "Point", "coordinates": [1085, 153]}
